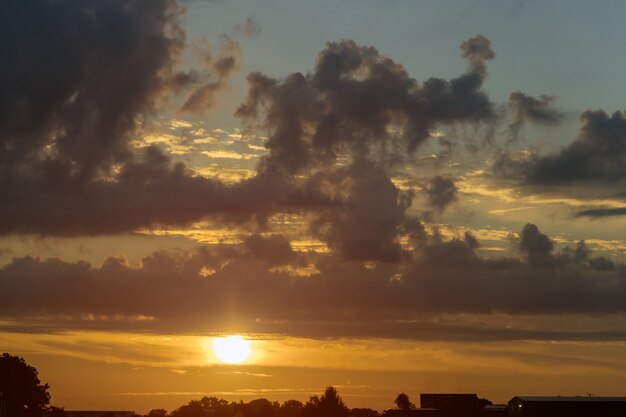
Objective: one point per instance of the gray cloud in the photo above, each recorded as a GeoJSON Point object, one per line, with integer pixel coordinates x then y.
{"type": "Point", "coordinates": [347, 108]}
{"type": "Point", "coordinates": [337, 300]}
{"type": "Point", "coordinates": [368, 222]}
{"type": "Point", "coordinates": [274, 249]}
{"type": "Point", "coordinates": [477, 51]}
{"type": "Point", "coordinates": [602, 212]}
{"type": "Point", "coordinates": [596, 155]}
{"type": "Point", "coordinates": [67, 167]}
{"type": "Point", "coordinates": [536, 246]}
{"type": "Point", "coordinates": [351, 98]}
{"type": "Point", "coordinates": [540, 110]}
{"type": "Point", "coordinates": [219, 69]}
{"type": "Point", "coordinates": [441, 192]}
{"type": "Point", "coordinates": [62, 100]}
{"type": "Point", "coordinates": [528, 109]}
{"type": "Point", "coordinates": [250, 27]}
{"type": "Point", "coordinates": [71, 103]}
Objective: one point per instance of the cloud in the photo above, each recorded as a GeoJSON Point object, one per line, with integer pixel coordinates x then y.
{"type": "Point", "coordinates": [441, 192]}
{"type": "Point", "coordinates": [602, 212]}
{"type": "Point", "coordinates": [220, 69]}
{"type": "Point", "coordinates": [250, 27]}
{"type": "Point", "coordinates": [346, 125]}
{"type": "Point", "coordinates": [169, 292]}
{"type": "Point", "coordinates": [540, 110]}
{"type": "Point", "coordinates": [535, 245]}
{"type": "Point", "coordinates": [366, 224]}
{"type": "Point", "coordinates": [63, 104]}
{"type": "Point", "coordinates": [477, 51]}
{"type": "Point", "coordinates": [274, 249]}
{"type": "Point", "coordinates": [352, 98]}
{"type": "Point", "coordinates": [72, 103]}
{"type": "Point", "coordinates": [596, 156]}
{"type": "Point", "coordinates": [134, 201]}
{"type": "Point", "coordinates": [598, 151]}
{"type": "Point", "coordinates": [73, 106]}
{"type": "Point", "coordinates": [528, 109]}
{"type": "Point", "coordinates": [364, 116]}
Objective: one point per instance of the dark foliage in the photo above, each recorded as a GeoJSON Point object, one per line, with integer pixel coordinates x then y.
{"type": "Point", "coordinates": [24, 394]}
{"type": "Point", "coordinates": [403, 402]}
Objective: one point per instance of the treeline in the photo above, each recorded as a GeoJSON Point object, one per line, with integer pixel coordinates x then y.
{"type": "Point", "coordinates": [23, 395]}
{"type": "Point", "coordinates": [329, 404]}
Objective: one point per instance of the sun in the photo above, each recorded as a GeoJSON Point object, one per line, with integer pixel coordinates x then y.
{"type": "Point", "coordinates": [233, 349]}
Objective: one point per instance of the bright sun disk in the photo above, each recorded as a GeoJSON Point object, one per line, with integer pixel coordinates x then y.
{"type": "Point", "coordinates": [233, 349]}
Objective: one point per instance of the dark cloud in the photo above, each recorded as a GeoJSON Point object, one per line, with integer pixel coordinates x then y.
{"type": "Point", "coordinates": [84, 76]}
{"type": "Point", "coordinates": [528, 109]}
{"type": "Point", "coordinates": [148, 192]}
{"type": "Point", "coordinates": [370, 219]}
{"type": "Point", "coordinates": [274, 249]}
{"type": "Point", "coordinates": [540, 110]}
{"type": "Point", "coordinates": [80, 75]}
{"type": "Point", "coordinates": [597, 155]}
{"type": "Point", "coordinates": [204, 290]}
{"type": "Point", "coordinates": [49, 201]}
{"type": "Point", "coordinates": [335, 135]}
{"type": "Point", "coordinates": [477, 51]}
{"type": "Point", "coordinates": [536, 246]}
{"type": "Point", "coordinates": [441, 192]}
{"type": "Point", "coordinates": [363, 110]}
{"type": "Point", "coordinates": [471, 240]}
{"type": "Point", "coordinates": [348, 103]}
{"type": "Point", "coordinates": [582, 254]}
{"type": "Point", "coordinates": [220, 69]}
{"type": "Point", "coordinates": [250, 27]}
{"type": "Point", "coordinates": [602, 212]}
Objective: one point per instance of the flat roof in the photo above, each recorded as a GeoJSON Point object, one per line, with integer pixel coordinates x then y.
{"type": "Point", "coordinates": [570, 399]}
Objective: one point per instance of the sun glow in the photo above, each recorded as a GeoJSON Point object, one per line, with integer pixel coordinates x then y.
{"type": "Point", "coordinates": [233, 349]}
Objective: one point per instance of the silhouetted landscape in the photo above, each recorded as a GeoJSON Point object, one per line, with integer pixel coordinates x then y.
{"type": "Point", "coordinates": [22, 395]}
{"type": "Point", "coordinates": [312, 208]}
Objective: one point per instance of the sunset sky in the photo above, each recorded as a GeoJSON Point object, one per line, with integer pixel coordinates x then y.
{"type": "Point", "coordinates": [380, 195]}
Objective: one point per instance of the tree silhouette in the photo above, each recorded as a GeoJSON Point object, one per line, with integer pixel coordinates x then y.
{"type": "Point", "coordinates": [291, 408]}
{"type": "Point", "coordinates": [403, 402]}
{"type": "Point", "coordinates": [53, 411]}
{"type": "Point", "coordinates": [157, 412]}
{"type": "Point", "coordinates": [23, 393]}
{"type": "Point", "coordinates": [329, 405]}
{"type": "Point", "coordinates": [482, 402]}
{"type": "Point", "coordinates": [191, 409]}
{"type": "Point", "coordinates": [364, 412]}
{"type": "Point", "coordinates": [260, 407]}
{"type": "Point", "coordinates": [213, 402]}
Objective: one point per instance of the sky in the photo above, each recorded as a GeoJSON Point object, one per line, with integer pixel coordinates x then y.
{"type": "Point", "coordinates": [384, 196]}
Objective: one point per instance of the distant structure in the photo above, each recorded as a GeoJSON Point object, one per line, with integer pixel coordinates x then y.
{"type": "Point", "coordinates": [567, 407]}
{"type": "Point", "coordinates": [451, 405]}
{"type": "Point", "coordinates": [100, 413]}
{"type": "Point", "coordinates": [495, 410]}
{"type": "Point", "coordinates": [416, 412]}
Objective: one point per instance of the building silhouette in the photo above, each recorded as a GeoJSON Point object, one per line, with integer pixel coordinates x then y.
{"type": "Point", "coordinates": [567, 407]}
{"type": "Point", "coordinates": [99, 413]}
{"type": "Point", "coordinates": [470, 405]}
